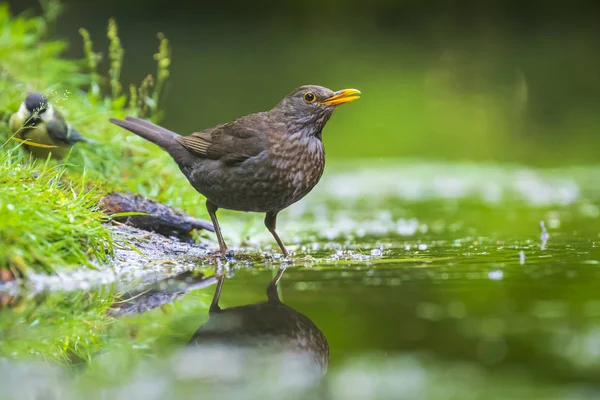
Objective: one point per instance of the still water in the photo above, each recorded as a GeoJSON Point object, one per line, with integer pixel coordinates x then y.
{"type": "Point", "coordinates": [409, 281]}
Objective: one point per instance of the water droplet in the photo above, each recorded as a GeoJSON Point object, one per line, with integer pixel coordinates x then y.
{"type": "Point", "coordinates": [544, 236]}
{"type": "Point", "coordinates": [377, 252]}
{"type": "Point", "coordinates": [522, 257]}
{"type": "Point", "coordinates": [495, 275]}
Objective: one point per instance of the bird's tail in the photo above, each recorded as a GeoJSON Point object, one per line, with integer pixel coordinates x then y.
{"type": "Point", "coordinates": [89, 141]}
{"type": "Point", "coordinates": [158, 135]}
{"type": "Point", "coordinates": [149, 131]}
{"type": "Point", "coordinates": [73, 136]}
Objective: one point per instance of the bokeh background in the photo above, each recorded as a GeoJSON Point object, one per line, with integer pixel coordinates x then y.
{"type": "Point", "coordinates": [503, 81]}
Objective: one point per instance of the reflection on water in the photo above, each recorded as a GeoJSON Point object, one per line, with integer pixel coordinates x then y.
{"type": "Point", "coordinates": [270, 326]}
{"type": "Point", "coordinates": [464, 319]}
{"type": "Point", "coordinates": [158, 294]}
{"type": "Point", "coordinates": [445, 294]}
{"type": "Point", "coordinates": [243, 343]}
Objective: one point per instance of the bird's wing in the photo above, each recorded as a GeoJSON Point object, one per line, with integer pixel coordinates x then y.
{"type": "Point", "coordinates": [58, 129]}
{"type": "Point", "coordinates": [61, 130]}
{"type": "Point", "coordinates": [233, 142]}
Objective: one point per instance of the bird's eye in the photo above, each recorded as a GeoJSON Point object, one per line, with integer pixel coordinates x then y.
{"type": "Point", "coordinates": [310, 97]}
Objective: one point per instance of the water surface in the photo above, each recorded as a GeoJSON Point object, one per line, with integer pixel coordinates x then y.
{"type": "Point", "coordinates": [427, 281]}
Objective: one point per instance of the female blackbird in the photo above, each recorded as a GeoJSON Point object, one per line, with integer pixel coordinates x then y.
{"type": "Point", "coordinates": [262, 162]}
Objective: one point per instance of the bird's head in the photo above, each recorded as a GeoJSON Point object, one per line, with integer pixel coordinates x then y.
{"type": "Point", "coordinates": [308, 108]}
{"type": "Point", "coordinates": [35, 104]}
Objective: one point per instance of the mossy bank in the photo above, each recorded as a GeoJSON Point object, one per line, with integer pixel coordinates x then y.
{"type": "Point", "coordinates": [49, 212]}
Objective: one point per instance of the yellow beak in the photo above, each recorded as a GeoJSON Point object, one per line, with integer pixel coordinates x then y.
{"type": "Point", "coordinates": [341, 97]}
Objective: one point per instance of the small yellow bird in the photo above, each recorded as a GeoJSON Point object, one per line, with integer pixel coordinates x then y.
{"type": "Point", "coordinates": [39, 122]}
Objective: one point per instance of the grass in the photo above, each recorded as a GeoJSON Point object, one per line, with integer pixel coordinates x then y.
{"type": "Point", "coordinates": [58, 225]}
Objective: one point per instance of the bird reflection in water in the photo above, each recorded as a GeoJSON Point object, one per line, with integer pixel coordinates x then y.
{"type": "Point", "coordinates": [272, 327]}
{"type": "Point", "coordinates": [266, 342]}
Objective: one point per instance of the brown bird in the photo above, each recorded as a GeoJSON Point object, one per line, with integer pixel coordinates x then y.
{"type": "Point", "coordinates": [262, 162]}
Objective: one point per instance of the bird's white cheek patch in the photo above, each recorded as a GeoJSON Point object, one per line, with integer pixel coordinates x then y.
{"type": "Point", "coordinates": [48, 115]}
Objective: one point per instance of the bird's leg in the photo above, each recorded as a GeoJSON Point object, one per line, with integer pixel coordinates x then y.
{"type": "Point", "coordinates": [214, 306]}
{"type": "Point", "coordinates": [212, 211]}
{"type": "Point", "coordinates": [272, 294]}
{"type": "Point", "coordinates": [270, 222]}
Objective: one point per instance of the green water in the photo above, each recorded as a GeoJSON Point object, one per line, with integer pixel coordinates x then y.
{"type": "Point", "coordinates": [427, 280]}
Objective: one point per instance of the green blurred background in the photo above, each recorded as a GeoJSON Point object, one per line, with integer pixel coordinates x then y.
{"type": "Point", "coordinates": [499, 80]}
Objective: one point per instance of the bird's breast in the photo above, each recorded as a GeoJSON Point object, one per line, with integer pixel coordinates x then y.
{"type": "Point", "coordinates": [297, 165]}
